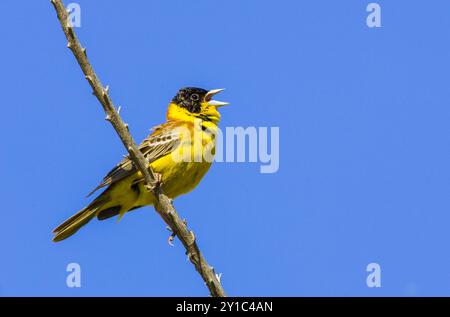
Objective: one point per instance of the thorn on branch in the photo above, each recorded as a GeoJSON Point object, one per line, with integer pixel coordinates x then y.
{"type": "Point", "coordinates": [69, 45]}
{"type": "Point", "coordinates": [174, 234]}
{"type": "Point", "coordinates": [171, 238]}
{"type": "Point", "coordinates": [108, 118]}
{"type": "Point", "coordinates": [90, 80]}
{"type": "Point", "coordinates": [118, 109]}
{"type": "Point", "coordinates": [84, 51]}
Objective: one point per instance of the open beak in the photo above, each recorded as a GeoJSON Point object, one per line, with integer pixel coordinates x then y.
{"type": "Point", "coordinates": [215, 103]}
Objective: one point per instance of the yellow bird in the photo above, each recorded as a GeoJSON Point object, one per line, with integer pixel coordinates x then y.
{"type": "Point", "coordinates": [176, 151]}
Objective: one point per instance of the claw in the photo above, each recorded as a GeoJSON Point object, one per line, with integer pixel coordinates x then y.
{"type": "Point", "coordinates": [173, 235]}
{"type": "Point", "coordinates": [170, 239]}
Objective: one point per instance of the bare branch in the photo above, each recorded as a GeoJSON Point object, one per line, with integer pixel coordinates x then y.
{"type": "Point", "coordinates": [163, 204]}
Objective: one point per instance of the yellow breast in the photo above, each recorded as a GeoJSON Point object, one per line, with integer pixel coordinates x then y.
{"type": "Point", "coordinates": [180, 177]}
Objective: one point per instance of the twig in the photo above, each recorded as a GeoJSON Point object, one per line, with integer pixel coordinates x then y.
{"type": "Point", "coordinates": [163, 204]}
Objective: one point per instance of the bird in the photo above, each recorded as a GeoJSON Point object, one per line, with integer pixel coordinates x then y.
{"type": "Point", "coordinates": [171, 152]}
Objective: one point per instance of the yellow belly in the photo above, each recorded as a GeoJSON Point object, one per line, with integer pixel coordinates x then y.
{"type": "Point", "coordinates": [177, 177]}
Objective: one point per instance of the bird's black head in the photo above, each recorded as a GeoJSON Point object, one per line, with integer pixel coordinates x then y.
{"type": "Point", "coordinates": [190, 98]}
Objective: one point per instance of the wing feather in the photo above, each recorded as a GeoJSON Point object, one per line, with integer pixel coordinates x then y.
{"type": "Point", "coordinates": [161, 142]}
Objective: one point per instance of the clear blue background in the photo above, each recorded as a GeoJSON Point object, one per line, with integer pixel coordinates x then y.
{"type": "Point", "coordinates": [364, 152]}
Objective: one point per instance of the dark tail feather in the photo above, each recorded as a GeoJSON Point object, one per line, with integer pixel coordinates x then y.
{"type": "Point", "coordinates": [74, 223]}
{"type": "Point", "coordinates": [111, 212]}
{"type": "Point", "coordinates": [108, 213]}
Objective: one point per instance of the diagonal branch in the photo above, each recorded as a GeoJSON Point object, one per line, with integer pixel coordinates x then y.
{"type": "Point", "coordinates": [164, 205]}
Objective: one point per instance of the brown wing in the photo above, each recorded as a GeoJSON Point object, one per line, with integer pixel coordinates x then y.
{"type": "Point", "coordinates": [161, 142]}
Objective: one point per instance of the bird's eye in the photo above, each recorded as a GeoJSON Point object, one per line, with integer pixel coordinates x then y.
{"type": "Point", "coordinates": [194, 97]}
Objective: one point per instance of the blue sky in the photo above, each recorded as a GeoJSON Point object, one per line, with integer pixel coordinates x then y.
{"type": "Point", "coordinates": [364, 146]}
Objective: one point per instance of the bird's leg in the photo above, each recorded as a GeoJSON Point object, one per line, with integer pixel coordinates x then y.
{"type": "Point", "coordinates": [174, 234]}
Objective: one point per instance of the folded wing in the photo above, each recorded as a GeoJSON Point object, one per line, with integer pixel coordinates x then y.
{"type": "Point", "coordinates": [161, 142]}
